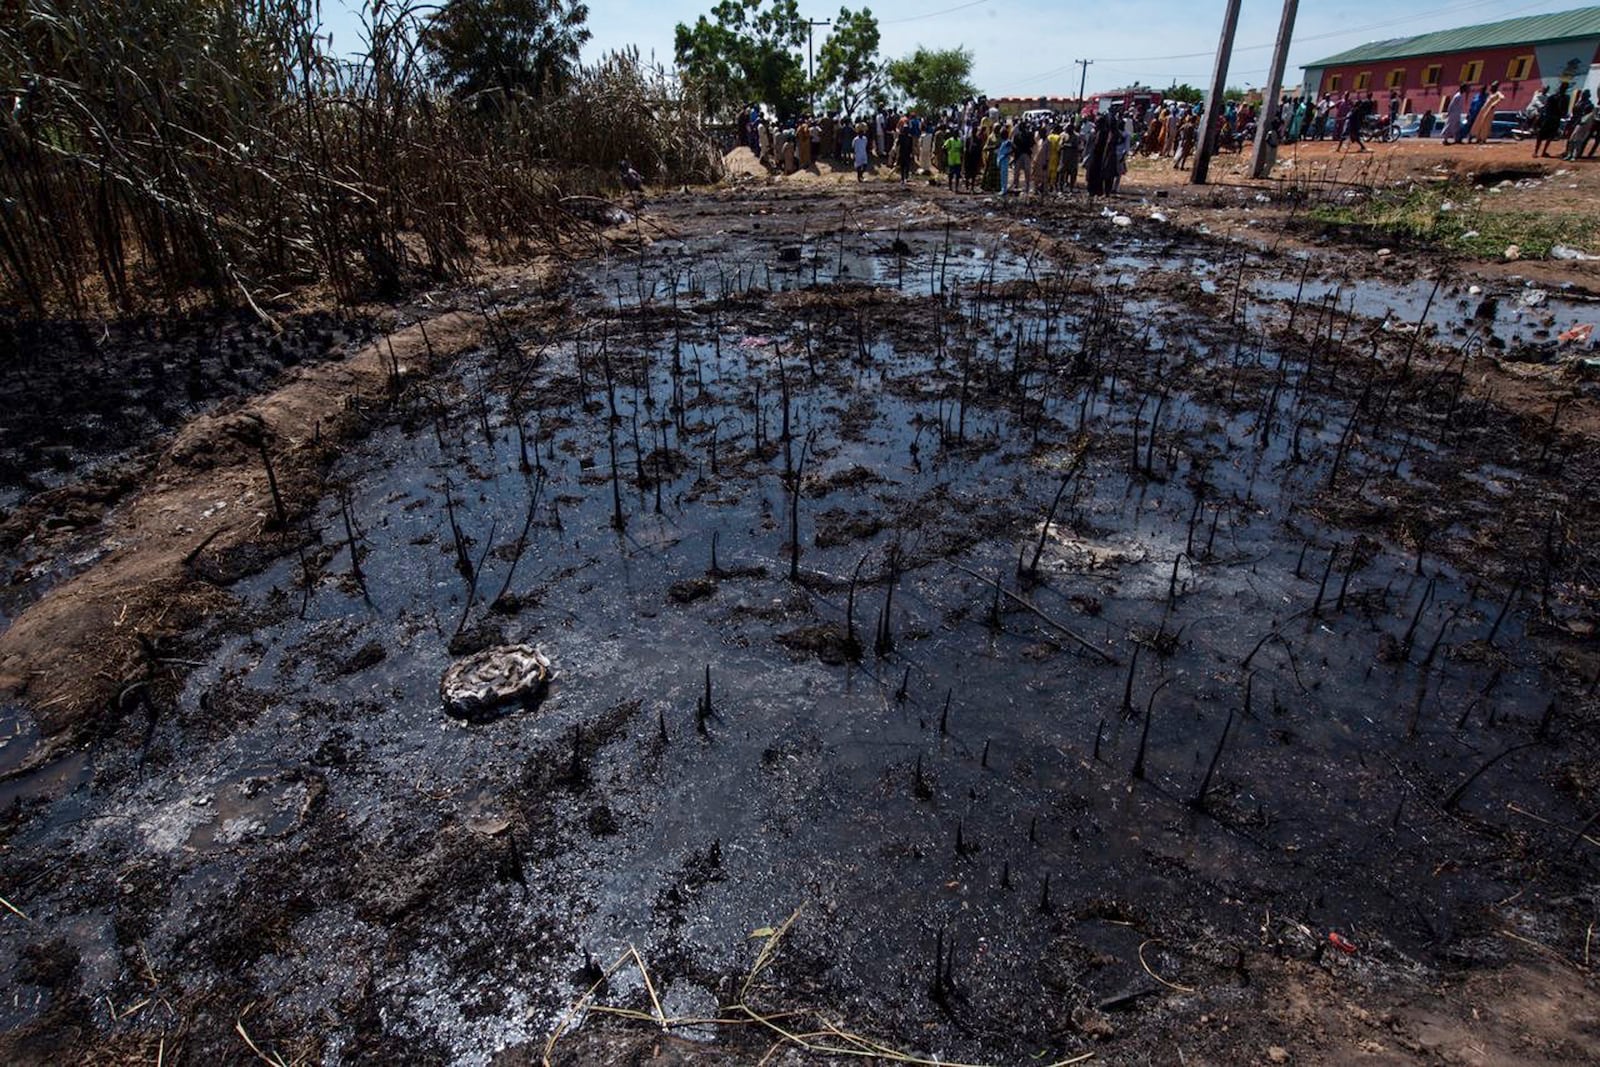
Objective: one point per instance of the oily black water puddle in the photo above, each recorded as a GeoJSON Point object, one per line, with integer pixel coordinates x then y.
{"type": "Point", "coordinates": [308, 830]}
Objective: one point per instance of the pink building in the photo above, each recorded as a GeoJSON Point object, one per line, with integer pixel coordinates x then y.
{"type": "Point", "coordinates": [1522, 54]}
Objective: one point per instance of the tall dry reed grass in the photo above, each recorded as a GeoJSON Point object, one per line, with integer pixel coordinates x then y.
{"type": "Point", "coordinates": [153, 150]}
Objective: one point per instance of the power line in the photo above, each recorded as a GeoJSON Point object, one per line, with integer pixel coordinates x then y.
{"type": "Point", "coordinates": [1319, 36]}
{"type": "Point", "coordinates": [1184, 76]}
{"type": "Point", "coordinates": [1184, 55]}
{"type": "Point", "coordinates": [933, 14]}
{"type": "Point", "coordinates": [1298, 40]}
{"type": "Point", "coordinates": [1047, 74]}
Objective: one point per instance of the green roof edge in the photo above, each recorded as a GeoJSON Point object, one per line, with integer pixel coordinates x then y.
{"type": "Point", "coordinates": [1528, 29]}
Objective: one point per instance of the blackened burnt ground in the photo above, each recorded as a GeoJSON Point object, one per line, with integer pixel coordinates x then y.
{"type": "Point", "coordinates": [1160, 608]}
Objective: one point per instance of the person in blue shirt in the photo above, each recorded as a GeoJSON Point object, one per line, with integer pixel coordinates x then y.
{"type": "Point", "coordinates": [1476, 106]}
{"type": "Point", "coordinates": [1002, 156]}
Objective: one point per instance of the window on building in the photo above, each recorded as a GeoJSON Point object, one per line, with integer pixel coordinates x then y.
{"type": "Point", "coordinates": [1470, 72]}
{"type": "Point", "coordinates": [1334, 83]}
{"type": "Point", "coordinates": [1430, 75]}
{"type": "Point", "coordinates": [1518, 68]}
{"type": "Point", "coordinates": [1397, 77]}
{"type": "Point", "coordinates": [1363, 80]}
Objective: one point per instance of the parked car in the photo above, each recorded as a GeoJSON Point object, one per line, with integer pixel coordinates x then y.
{"type": "Point", "coordinates": [1507, 124]}
{"type": "Point", "coordinates": [1411, 126]}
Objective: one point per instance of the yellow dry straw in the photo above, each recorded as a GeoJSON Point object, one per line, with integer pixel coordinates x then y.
{"type": "Point", "coordinates": [826, 1039]}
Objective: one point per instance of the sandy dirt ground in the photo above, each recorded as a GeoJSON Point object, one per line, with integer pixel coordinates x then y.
{"type": "Point", "coordinates": [1555, 186]}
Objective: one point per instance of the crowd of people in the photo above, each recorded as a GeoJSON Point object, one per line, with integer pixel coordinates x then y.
{"type": "Point", "coordinates": [1466, 116]}
{"type": "Point", "coordinates": [974, 147]}
{"type": "Point", "coordinates": [1559, 116]}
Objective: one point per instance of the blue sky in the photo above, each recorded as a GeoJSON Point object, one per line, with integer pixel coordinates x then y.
{"type": "Point", "coordinates": [1027, 47]}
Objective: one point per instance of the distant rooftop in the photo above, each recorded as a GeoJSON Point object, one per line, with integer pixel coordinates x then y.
{"type": "Point", "coordinates": [1531, 29]}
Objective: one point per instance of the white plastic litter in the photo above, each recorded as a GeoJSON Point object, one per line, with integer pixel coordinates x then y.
{"type": "Point", "coordinates": [486, 680]}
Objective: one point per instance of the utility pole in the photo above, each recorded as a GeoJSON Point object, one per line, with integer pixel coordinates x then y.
{"type": "Point", "coordinates": [1259, 164]}
{"type": "Point", "coordinates": [1083, 79]}
{"type": "Point", "coordinates": [1219, 85]}
{"type": "Point", "coordinates": [811, 64]}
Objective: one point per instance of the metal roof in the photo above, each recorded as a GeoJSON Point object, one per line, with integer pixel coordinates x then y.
{"type": "Point", "coordinates": [1531, 29]}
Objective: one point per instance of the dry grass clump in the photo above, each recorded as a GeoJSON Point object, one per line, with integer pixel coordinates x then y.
{"type": "Point", "coordinates": [620, 108]}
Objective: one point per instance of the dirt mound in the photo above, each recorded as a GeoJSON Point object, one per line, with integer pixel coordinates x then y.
{"type": "Point", "coordinates": [742, 165]}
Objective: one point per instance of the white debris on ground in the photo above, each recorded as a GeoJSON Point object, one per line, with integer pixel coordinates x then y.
{"type": "Point", "coordinates": [492, 678]}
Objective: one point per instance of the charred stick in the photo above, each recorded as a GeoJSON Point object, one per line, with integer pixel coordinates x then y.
{"type": "Point", "coordinates": [350, 541]}
{"type": "Point", "coordinates": [1454, 799]}
{"type": "Point", "coordinates": [1427, 595]}
{"type": "Point", "coordinates": [1082, 642]}
{"type": "Point", "coordinates": [522, 541]}
{"type": "Point", "coordinates": [1322, 587]}
{"type": "Point", "coordinates": [1127, 687]}
{"type": "Point", "coordinates": [1216, 756]}
{"type": "Point", "coordinates": [1581, 833]}
{"type": "Point", "coordinates": [1511, 598]}
{"type": "Point", "coordinates": [1144, 734]}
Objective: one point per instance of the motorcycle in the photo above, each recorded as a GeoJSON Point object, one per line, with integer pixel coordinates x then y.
{"type": "Point", "coordinates": [1379, 128]}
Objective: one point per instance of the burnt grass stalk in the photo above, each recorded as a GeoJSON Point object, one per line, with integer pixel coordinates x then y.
{"type": "Point", "coordinates": [353, 543]}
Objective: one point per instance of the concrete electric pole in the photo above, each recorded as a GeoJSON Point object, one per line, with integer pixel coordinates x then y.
{"type": "Point", "coordinates": [1259, 166]}
{"type": "Point", "coordinates": [811, 65]}
{"type": "Point", "coordinates": [1219, 84]}
{"type": "Point", "coordinates": [1083, 79]}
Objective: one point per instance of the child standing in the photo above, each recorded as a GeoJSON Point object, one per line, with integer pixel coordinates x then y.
{"type": "Point", "coordinates": [952, 158]}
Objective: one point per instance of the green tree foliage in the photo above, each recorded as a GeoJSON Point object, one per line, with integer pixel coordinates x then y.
{"type": "Point", "coordinates": [1183, 94]}
{"type": "Point", "coordinates": [934, 78]}
{"type": "Point", "coordinates": [849, 72]}
{"type": "Point", "coordinates": [515, 46]}
{"type": "Point", "coordinates": [746, 50]}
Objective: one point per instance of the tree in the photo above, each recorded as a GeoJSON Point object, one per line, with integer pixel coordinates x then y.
{"type": "Point", "coordinates": [750, 52]}
{"type": "Point", "coordinates": [934, 78]}
{"type": "Point", "coordinates": [849, 73]}
{"type": "Point", "coordinates": [1183, 94]}
{"type": "Point", "coordinates": [514, 46]}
